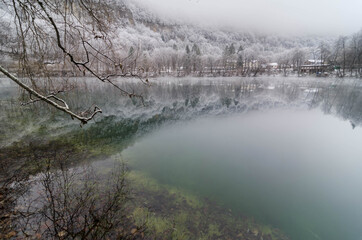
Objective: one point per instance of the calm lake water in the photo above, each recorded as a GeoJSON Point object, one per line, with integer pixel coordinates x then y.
{"type": "Point", "coordinates": [298, 170]}
{"type": "Point", "coordinates": [286, 151]}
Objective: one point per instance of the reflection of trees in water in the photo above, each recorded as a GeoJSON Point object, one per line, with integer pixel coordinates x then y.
{"type": "Point", "coordinates": [342, 100]}
{"type": "Point", "coordinates": [187, 98]}
{"type": "Point", "coordinates": [75, 203]}
{"type": "Point", "coordinates": [165, 101]}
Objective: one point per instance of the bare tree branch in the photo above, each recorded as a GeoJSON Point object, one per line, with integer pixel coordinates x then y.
{"type": "Point", "coordinates": [65, 108]}
{"type": "Point", "coordinates": [73, 36]}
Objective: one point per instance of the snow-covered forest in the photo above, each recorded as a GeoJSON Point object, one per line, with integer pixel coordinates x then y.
{"type": "Point", "coordinates": [143, 40]}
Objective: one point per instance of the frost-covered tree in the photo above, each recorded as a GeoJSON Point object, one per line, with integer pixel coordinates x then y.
{"type": "Point", "coordinates": [355, 53]}
{"type": "Point", "coordinates": [196, 49]}
{"type": "Point", "coordinates": [71, 37]}
{"type": "Point", "coordinates": [340, 55]}
{"type": "Point", "coordinates": [298, 58]}
{"type": "Point", "coordinates": [188, 49]}
{"type": "Point", "coordinates": [232, 49]}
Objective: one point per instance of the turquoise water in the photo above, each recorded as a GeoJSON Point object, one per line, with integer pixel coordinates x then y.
{"type": "Point", "coordinates": [297, 170]}
{"type": "Point", "coordinates": [300, 171]}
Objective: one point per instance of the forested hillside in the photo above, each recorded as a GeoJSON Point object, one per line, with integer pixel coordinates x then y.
{"type": "Point", "coordinates": [163, 46]}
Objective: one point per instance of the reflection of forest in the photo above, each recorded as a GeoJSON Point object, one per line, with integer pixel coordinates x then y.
{"type": "Point", "coordinates": [175, 99]}
{"type": "Point", "coordinates": [168, 99]}
{"type": "Point", "coordinates": [341, 100]}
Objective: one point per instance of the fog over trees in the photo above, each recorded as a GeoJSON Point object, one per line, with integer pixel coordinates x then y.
{"type": "Point", "coordinates": [143, 40]}
{"type": "Point", "coordinates": [299, 18]}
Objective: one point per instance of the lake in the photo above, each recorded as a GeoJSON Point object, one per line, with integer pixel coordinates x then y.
{"type": "Point", "coordinates": [284, 151]}
{"type": "Point", "coordinates": [297, 170]}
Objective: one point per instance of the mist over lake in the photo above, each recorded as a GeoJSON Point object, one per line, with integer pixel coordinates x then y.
{"type": "Point", "coordinates": [281, 152]}
{"type": "Point", "coordinates": [297, 170]}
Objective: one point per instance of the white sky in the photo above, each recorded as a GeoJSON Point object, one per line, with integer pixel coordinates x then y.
{"type": "Point", "coordinates": [322, 17]}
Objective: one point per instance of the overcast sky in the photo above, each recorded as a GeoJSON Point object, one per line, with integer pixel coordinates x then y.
{"type": "Point", "coordinates": [322, 17]}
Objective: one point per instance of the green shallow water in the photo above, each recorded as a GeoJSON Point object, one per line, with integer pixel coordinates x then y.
{"type": "Point", "coordinates": [300, 171]}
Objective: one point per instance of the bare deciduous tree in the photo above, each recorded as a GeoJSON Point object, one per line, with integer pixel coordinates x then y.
{"type": "Point", "coordinates": [65, 37]}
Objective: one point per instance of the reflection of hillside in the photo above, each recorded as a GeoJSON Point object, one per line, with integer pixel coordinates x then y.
{"type": "Point", "coordinates": [342, 100]}
{"type": "Point", "coordinates": [184, 99]}
{"type": "Point", "coordinates": [173, 99]}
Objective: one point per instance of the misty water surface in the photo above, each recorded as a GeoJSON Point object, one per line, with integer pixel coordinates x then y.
{"type": "Point", "coordinates": [286, 151]}
{"type": "Point", "coordinates": [297, 170]}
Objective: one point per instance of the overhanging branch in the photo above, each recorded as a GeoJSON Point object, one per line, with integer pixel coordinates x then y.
{"type": "Point", "coordinates": [47, 99]}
